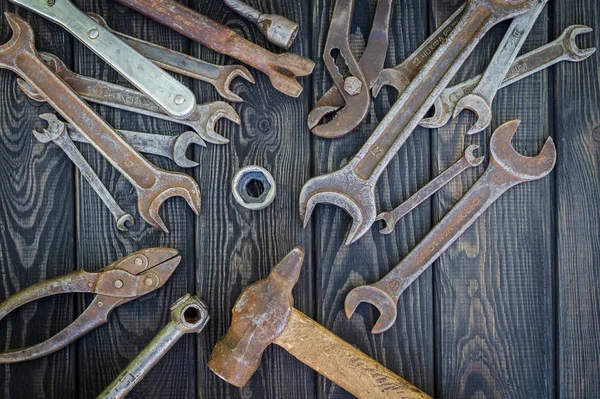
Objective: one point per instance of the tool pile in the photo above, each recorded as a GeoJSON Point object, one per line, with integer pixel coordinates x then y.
{"type": "Point", "coordinates": [264, 313]}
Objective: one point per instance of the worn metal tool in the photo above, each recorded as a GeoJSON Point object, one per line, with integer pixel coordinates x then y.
{"type": "Point", "coordinates": [202, 120]}
{"type": "Point", "coordinates": [466, 162]}
{"type": "Point", "coordinates": [353, 187]}
{"type": "Point", "coordinates": [264, 314]}
{"type": "Point", "coordinates": [282, 69]}
{"type": "Point", "coordinates": [562, 49]}
{"type": "Point", "coordinates": [507, 169]}
{"type": "Point", "coordinates": [189, 315]}
{"type": "Point", "coordinates": [220, 76]}
{"type": "Point", "coordinates": [277, 29]}
{"type": "Point", "coordinates": [120, 282]}
{"type": "Point", "coordinates": [166, 91]}
{"type": "Point", "coordinates": [56, 133]}
{"type": "Point", "coordinates": [350, 92]}
{"type": "Point", "coordinates": [153, 185]}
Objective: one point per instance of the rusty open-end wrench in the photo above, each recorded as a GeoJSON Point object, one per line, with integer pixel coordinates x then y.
{"type": "Point", "coordinates": [153, 185]}
{"type": "Point", "coordinates": [353, 187]}
{"type": "Point", "coordinates": [466, 162]}
{"type": "Point", "coordinates": [282, 69]}
{"type": "Point", "coordinates": [563, 48]}
{"type": "Point", "coordinates": [371, 63]}
{"type": "Point", "coordinates": [507, 169]}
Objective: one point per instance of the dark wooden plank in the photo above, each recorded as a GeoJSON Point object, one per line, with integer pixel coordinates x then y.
{"type": "Point", "coordinates": [577, 132]}
{"type": "Point", "coordinates": [37, 217]}
{"type": "Point", "coordinates": [494, 301]}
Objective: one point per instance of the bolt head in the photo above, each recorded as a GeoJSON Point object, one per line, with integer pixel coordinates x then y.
{"type": "Point", "coordinates": [149, 281]}
{"type": "Point", "coordinates": [352, 85]}
{"type": "Point", "coordinates": [139, 261]}
{"type": "Point", "coordinates": [179, 99]}
{"type": "Point", "coordinates": [93, 34]}
{"type": "Point", "coordinates": [119, 283]}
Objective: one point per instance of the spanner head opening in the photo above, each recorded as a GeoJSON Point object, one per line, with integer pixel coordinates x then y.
{"type": "Point", "coordinates": [479, 106]}
{"type": "Point", "coordinates": [569, 42]}
{"type": "Point", "coordinates": [180, 147]}
{"type": "Point", "coordinates": [376, 297]}
{"type": "Point", "coordinates": [23, 38]}
{"type": "Point", "coordinates": [53, 131]}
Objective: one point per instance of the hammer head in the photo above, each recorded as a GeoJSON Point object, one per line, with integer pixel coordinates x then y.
{"type": "Point", "coordinates": [260, 315]}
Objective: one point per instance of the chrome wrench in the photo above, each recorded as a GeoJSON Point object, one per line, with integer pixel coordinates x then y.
{"type": "Point", "coordinates": [507, 169]}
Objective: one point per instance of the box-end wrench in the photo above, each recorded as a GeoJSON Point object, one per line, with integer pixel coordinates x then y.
{"type": "Point", "coordinates": [282, 69]}
{"type": "Point", "coordinates": [56, 133]}
{"type": "Point", "coordinates": [353, 187]}
{"type": "Point", "coordinates": [220, 76]}
{"type": "Point", "coordinates": [189, 315]}
{"type": "Point", "coordinates": [166, 91]}
{"type": "Point", "coordinates": [202, 120]}
{"type": "Point", "coordinates": [507, 169]}
{"type": "Point", "coordinates": [466, 162]}
{"type": "Point", "coordinates": [371, 63]}
{"type": "Point", "coordinates": [564, 48]}
{"type": "Point", "coordinates": [153, 185]}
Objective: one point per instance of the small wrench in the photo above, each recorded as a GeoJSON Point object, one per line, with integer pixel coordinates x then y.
{"type": "Point", "coordinates": [562, 49]}
{"type": "Point", "coordinates": [280, 68]}
{"type": "Point", "coordinates": [467, 161]}
{"type": "Point", "coordinates": [353, 187]}
{"type": "Point", "coordinates": [56, 133]}
{"type": "Point", "coordinates": [153, 185]}
{"type": "Point", "coordinates": [507, 169]}
{"type": "Point", "coordinates": [220, 76]}
{"type": "Point", "coordinates": [189, 315]}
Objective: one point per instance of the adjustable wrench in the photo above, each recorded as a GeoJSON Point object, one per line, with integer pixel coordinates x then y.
{"type": "Point", "coordinates": [280, 68]}
{"type": "Point", "coordinates": [507, 169]}
{"type": "Point", "coordinates": [153, 185]}
{"type": "Point", "coordinates": [364, 72]}
{"type": "Point", "coordinates": [353, 187]}
{"type": "Point", "coordinates": [172, 96]}
{"type": "Point", "coordinates": [220, 76]}
{"type": "Point", "coordinates": [56, 133]}
{"type": "Point", "coordinates": [562, 49]}
{"type": "Point", "coordinates": [467, 161]}
{"type": "Point", "coordinates": [202, 120]}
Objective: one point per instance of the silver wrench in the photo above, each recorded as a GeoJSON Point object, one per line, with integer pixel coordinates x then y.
{"type": "Point", "coordinates": [563, 48]}
{"type": "Point", "coordinates": [56, 133]}
{"type": "Point", "coordinates": [467, 161]}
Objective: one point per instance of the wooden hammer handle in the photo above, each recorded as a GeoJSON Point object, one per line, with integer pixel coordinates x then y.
{"type": "Point", "coordinates": [342, 363]}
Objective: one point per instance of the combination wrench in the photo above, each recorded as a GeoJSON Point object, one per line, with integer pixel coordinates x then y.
{"type": "Point", "coordinates": [507, 169]}
{"type": "Point", "coordinates": [353, 187]}
{"type": "Point", "coordinates": [153, 185]}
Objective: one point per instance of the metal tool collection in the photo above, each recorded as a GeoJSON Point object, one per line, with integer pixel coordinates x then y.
{"type": "Point", "coordinates": [264, 313]}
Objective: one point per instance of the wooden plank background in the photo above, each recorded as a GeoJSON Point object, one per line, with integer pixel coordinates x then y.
{"type": "Point", "coordinates": [511, 310]}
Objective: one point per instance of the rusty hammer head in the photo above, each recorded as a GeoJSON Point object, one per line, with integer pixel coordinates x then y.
{"type": "Point", "coordinates": [260, 315]}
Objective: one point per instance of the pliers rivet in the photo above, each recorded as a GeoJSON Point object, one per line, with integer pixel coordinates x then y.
{"type": "Point", "coordinates": [119, 283]}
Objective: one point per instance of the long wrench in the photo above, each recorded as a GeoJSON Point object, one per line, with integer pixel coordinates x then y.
{"type": "Point", "coordinates": [153, 185]}
{"type": "Point", "coordinates": [507, 169]}
{"type": "Point", "coordinates": [467, 161]}
{"type": "Point", "coordinates": [56, 133]}
{"type": "Point", "coordinates": [564, 48]}
{"type": "Point", "coordinates": [353, 187]}
{"type": "Point", "coordinates": [280, 68]}
{"type": "Point", "coordinates": [166, 91]}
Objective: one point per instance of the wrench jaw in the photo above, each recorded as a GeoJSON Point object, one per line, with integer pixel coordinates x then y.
{"type": "Point", "coordinates": [389, 221]}
{"type": "Point", "coordinates": [481, 108]}
{"type": "Point", "coordinates": [290, 66]}
{"type": "Point", "coordinates": [347, 119]}
{"type": "Point", "coordinates": [441, 114]}
{"type": "Point", "coordinates": [182, 143]}
{"type": "Point", "coordinates": [22, 39]}
{"type": "Point", "coordinates": [224, 86]}
{"type": "Point", "coordinates": [470, 156]}
{"type": "Point", "coordinates": [208, 116]}
{"type": "Point", "coordinates": [370, 294]}
{"type": "Point", "coordinates": [568, 38]}
{"type": "Point", "coordinates": [318, 113]}
{"type": "Point", "coordinates": [390, 77]}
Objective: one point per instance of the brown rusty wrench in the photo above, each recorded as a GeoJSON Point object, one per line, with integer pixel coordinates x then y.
{"type": "Point", "coordinates": [371, 63]}
{"type": "Point", "coordinates": [154, 186]}
{"type": "Point", "coordinates": [507, 169]}
{"type": "Point", "coordinates": [280, 68]}
{"type": "Point", "coordinates": [353, 187]}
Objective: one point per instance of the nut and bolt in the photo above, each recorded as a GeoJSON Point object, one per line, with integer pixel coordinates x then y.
{"type": "Point", "coordinates": [352, 85]}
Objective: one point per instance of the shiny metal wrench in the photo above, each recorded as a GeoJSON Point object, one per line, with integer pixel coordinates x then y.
{"type": "Point", "coordinates": [563, 48]}
{"type": "Point", "coordinates": [466, 162]}
{"type": "Point", "coordinates": [57, 133]}
{"type": "Point", "coordinates": [353, 187]}
{"type": "Point", "coordinates": [507, 169]}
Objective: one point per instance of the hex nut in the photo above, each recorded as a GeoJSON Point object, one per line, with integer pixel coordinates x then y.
{"type": "Point", "coordinates": [254, 188]}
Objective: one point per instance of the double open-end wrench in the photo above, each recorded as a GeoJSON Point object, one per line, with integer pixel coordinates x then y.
{"type": "Point", "coordinates": [202, 120]}
{"type": "Point", "coordinates": [353, 187]}
{"type": "Point", "coordinates": [507, 169]}
{"type": "Point", "coordinates": [166, 91]}
{"type": "Point", "coordinates": [467, 161]}
{"type": "Point", "coordinates": [356, 105]}
{"type": "Point", "coordinates": [282, 69]}
{"type": "Point", "coordinates": [56, 133]}
{"type": "Point", "coordinates": [220, 76]}
{"type": "Point", "coordinates": [562, 49]}
{"type": "Point", "coordinates": [153, 185]}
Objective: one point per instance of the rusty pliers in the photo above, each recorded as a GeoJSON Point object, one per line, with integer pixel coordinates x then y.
{"type": "Point", "coordinates": [120, 282]}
